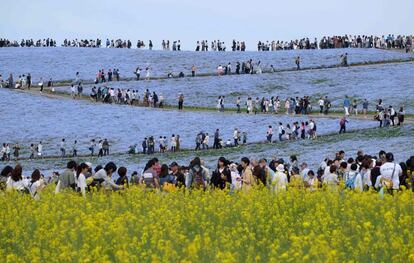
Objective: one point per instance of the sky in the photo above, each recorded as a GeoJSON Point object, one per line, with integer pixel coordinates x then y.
{"type": "Point", "coordinates": [192, 20]}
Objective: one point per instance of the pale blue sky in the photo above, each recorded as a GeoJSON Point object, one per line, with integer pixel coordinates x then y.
{"type": "Point", "coordinates": [191, 20]}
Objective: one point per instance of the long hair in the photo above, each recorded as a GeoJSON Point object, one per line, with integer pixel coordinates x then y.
{"type": "Point", "coordinates": [80, 168]}
{"type": "Point", "coordinates": [16, 174]}
{"type": "Point", "coordinates": [35, 176]}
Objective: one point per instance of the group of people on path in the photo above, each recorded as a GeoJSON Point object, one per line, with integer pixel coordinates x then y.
{"type": "Point", "coordinates": [363, 173]}
{"type": "Point", "coordinates": [45, 42]}
{"type": "Point", "coordinates": [131, 97]}
{"type": "Point", "coordinates": [390, 41]}
{"type": "Point", "coordinates": [298, 130]}
{"type": "Point", "coordinates": [218, 45]}
{"type": "Point", "coordinates": [10, 152]}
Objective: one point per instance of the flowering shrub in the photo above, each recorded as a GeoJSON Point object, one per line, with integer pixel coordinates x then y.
{"type": "Point", "coordinates": [260, 226]}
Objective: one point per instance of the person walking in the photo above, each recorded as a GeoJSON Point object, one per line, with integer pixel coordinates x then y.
{"type": "Point", "coordinates": [342, 124]}
{"type": "Point", "coordinates": [269, 134]}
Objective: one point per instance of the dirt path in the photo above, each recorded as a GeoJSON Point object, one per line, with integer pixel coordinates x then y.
{"type": "Point", "coordinates": [67, 83]}
{"type": "Point", "coordinates": [332, 115]}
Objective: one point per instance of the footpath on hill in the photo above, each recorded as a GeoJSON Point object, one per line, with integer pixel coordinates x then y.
{"type": "Point", "coordinates": [64, 83]}
{"type": "Point", "coordinates": [333, 114]}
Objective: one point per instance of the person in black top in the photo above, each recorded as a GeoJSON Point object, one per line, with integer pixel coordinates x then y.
{"type": "Point", "coordinates": [178, 176]}
{"type": "Point", "coordinates": [221, 177]}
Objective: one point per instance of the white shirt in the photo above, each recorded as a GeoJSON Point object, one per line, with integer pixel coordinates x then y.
{"type": "Point", "coordinates": [235, 133]}
{"type": "Point", "coordinates": [311, 125]}
{"type": "Point", "coordinates": [39, 148]}
{"type": "Point", "coordinates": [82, 183]}
{"type": "Point", "coordinates": [387, 172]}
{"type": "Point", "coordinates": [331, 179]}
{"type": "Point", "coordinates": [321, 102]}
{"type": "Point", "coordinates": [34, 188]}
{"type": "Point", "coordinates": [19, 185]}
{"type": "Point", "coordinates": [173, 142]}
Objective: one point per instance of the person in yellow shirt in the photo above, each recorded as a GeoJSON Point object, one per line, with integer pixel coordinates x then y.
{"type": "Point", "coordinates": [296, 179]}
{"type": "Point", "coordinates": [247, 178]}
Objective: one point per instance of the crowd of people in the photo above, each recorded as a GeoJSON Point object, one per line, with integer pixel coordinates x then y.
{"type": "Point", "coordinates": [36, 151]}
{"type": "Point", "coordinates": [361, 173]}
{"type": "Point", "coordinates": [124, 96]}
{"type": "Point", "coordinates": [24, 81]}
{"type": "Point", "coordinates": [150, 145]}
{"type": "Point", "coordinates": [218, 45]}
{"type": "Point", "coordinates": [391, 41]}
{"type": "Point", "coordinates": [244, 67]}
{"type": "Point", "coordinates": [346, 41]}
{"type": "Point", "coordinates": [45, 42]}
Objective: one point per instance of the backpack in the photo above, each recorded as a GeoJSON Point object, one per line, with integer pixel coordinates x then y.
{"type": "Point", "coordinates": [148, 179]}
{"type": "Point", "coordinates": [350, 182]}
{"type": "Point", "coordinates": [198, 181]}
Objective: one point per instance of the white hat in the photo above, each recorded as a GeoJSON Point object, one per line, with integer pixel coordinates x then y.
{"type": "Point", "coordinates": [89, 164]}
{"type": "Point", "coordinates": [280, 168]}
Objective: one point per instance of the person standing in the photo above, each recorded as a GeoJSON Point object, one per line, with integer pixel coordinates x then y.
{"type": "Point", "coordinates": [347, 103]}
{"type": "Point", "coordinates": [280, 181]}
{"type": "Point", "coordinates": [150, 177]}
{"type": "Point", "coordinates": [281, 131]}
{"type": "Point", "coordinates": [32, 151]}
{"type": "Point", "coordinates": [41, 84]}
{"type": "Point", "coordinates": [81, 185]}
{"type": "Point", "coordinates": [401, 115]}
{"type": "Point", "coordinates": [321, 104]}
{"type": "Point", "coordinates": [29, 80]}
{"type": "Point", "coordinates": [193, 70]}
{"type": "Point", "coordinates": [206, 142]}
{"type": "Point", "coordinates": [63, 148]}
{"type": "Point", "coordinates": [236, 137]}
{"type": "Point", "coordinates": [144, 145]}
{"type": "Point", "coordinates": [197, 176]}
{"type": "Point", "coordinates": [365, 107]}
{"type": "Point", "coordinates": [216, 144]}
{"type": "Point", "coordinates": [180, 101]}
{"type": "Point", "coordinates": [297, 62]}
{"type": "Point", "coordinates": [105, 147]}
{"type": "Point", "coordinates": [40, 150]}
{"type": "Point", "coordinates": [16, 151]}
{"type": "Point", "coordinates": [138, 73]}
{"type": "Point", "coordinates": [390, 174]}
{"type": "Point", "coordinates": [327, 105]}
{"type": "Point", "coordinates": [392, 114]}
{"type": "Point", "coordinates": [173, 143]}
{"type": "Point", "coordinates": [247, 178]}
{"type": "Point", "coordinates": [67, 178]}
{"type": "Point", "coordinates": [75, 149]}
{"type": "Point", "coordinates": [238, 101]}
{"type": "Point", "coordinates": [92, 146]}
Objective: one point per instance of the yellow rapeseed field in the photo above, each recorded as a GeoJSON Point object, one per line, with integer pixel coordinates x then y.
{"type": "Point", "coordinates": [217, 226]}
